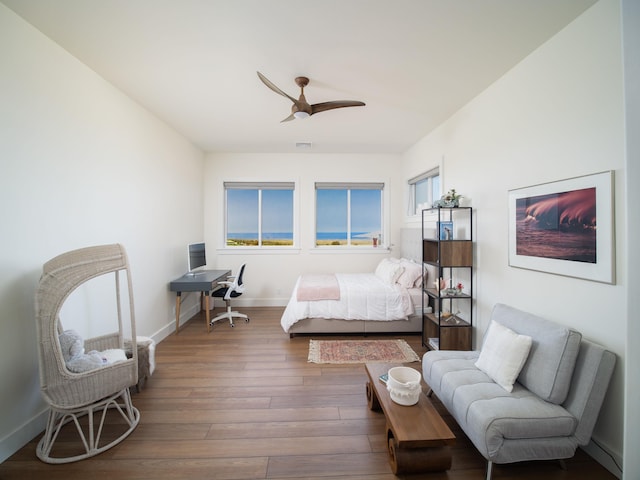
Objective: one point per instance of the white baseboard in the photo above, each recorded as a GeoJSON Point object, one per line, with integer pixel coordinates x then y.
{"type": "Point", "coordinates": [258, 302]}
{"type": "Point", "coordinates": [186, 312]}
{"type": "Point", "coordinates": [608, 460]}
{"type": "Point", "coordinates": [23, 435]}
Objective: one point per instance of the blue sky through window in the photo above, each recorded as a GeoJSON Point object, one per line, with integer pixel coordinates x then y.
{"type": "Point", "coordinates": [335, 208]}
{"type": "Point", "coordinates": [243, 215]}
{"type": "Point", "coordinates": [242, 211]}
{"type": "Point", "coordinates": [277, 211]}
{"type": "Point", "coordinates": [366, 211]}
{"type": "Point", "coordinates": [332, 214]}
{"type": "Point", "coordinates": [331, 211]}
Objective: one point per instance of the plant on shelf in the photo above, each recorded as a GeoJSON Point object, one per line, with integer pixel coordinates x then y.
{"type": "Point", "coordinates": [450, 199]}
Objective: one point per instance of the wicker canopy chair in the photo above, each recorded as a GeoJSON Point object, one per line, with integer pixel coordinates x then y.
{"type": "Point", "coordinates": [74, 396]}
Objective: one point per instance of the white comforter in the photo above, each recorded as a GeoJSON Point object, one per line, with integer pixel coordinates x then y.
{"type": "Point", "coordinates": [363, 296]}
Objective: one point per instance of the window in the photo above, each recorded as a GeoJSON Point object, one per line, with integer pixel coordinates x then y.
{"type": "Point", "coordinates": [424, 190]}
{"type": "Point", "coordinates": [259, 214]}
{"type": "Point", "coordinates": [349, 214]}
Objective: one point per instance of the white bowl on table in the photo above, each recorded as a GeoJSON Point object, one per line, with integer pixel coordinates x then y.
{"type": "Point", "coordinates": [403, 385]}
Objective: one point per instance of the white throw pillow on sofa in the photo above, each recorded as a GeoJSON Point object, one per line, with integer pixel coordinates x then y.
{"type": "Point", "coordinates": [503, 354]}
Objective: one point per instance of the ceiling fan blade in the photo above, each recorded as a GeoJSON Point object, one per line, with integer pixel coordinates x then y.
{"type": "Point", "coordinates": [288, 119]}
{"type": "Point", "coordinates": [269, 84]}
{"type": "Point", "coordinates": [324, 106]}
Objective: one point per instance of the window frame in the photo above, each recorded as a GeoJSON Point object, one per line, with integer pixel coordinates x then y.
{"type": "Point", "coordinates": [413, 208]}
{"type": "Point", "coordinates": [260, 186]}
{"type": "Point", "coordinates": [349, 186]}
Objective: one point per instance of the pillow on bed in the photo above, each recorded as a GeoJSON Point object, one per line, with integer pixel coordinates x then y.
{"type": "Point", "coordinates": [418, 283]}
{"type": "Point", "coordinates": [388, 270]}
{"type": "Point", "coordinates": [411, 275]}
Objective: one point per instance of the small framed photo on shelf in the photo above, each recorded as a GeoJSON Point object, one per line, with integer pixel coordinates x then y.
{"type": "Point", "coordinates": [445, 230]}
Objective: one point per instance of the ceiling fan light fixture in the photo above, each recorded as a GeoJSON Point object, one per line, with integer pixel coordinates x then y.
{"type": "Point", "coordinates": [301, 108]}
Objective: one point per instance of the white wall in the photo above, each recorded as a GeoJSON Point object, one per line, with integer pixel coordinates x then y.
{"type": "Point", "coordinates": [81, 164]}
{"type": "Point", "coordinates": [271, 277]}
{"type": "Point", "coordinates": [556, 115]}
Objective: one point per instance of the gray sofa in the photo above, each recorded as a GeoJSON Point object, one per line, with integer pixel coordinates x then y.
{"type": "Point", "coordinates": [553, 406]}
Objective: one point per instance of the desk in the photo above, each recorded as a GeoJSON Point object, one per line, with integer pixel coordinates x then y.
{"type": "Point", "coordinates": [203, 281]}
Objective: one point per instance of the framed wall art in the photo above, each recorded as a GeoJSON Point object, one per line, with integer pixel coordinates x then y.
{"type": "Point", "coordinates": [565, 227]}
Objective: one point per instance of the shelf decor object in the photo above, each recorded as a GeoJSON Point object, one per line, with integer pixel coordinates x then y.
{"type": "Point", "coordinates": [565, 227]}
{"type": "Point", "coordinates": [451, 199]}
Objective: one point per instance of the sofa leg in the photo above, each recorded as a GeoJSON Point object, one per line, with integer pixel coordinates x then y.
{"type": "Point", "coordinates": [429, 392]}
{"type": "Point", "coordinates": [489, 468]}
{"type": "Point", "coordinates": [563, 464]}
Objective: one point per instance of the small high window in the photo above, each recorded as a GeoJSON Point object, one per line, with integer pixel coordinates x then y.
{"type": "Point", "coordinates": [424, 191]}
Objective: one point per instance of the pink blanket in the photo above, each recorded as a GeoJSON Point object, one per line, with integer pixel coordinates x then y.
{"type": "Point", "coordinates": [318, 287]}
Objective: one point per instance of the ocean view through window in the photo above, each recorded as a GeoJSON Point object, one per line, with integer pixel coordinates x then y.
{"type": "Point", "coordinates": [349, 214]}
{"type": "Point", "coordinates": [259, 214]}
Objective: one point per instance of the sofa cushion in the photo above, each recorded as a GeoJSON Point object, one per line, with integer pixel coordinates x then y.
{"type": "Point", "coordinates": [503, 354]}
{"type": "Point", "coordinates": [554, 349]}
{"type": "Point", "coordinates": [492, 416]}
{"type": "Point", "coordinates": [438, 365]}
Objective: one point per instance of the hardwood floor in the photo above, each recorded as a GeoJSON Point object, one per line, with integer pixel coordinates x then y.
{"type": "Point", "coordinates": [243, 403]}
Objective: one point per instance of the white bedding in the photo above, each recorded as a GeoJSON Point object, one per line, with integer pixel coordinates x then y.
{"type": "Point", "coordinates": [363, 296]}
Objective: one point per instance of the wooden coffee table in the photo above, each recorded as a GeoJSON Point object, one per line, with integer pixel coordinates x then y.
{"type": "Point", "coordinates": [418, 439]}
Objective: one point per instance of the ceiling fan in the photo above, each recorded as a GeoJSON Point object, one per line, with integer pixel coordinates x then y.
{"type": "Point", "coordinates": [301, 108]}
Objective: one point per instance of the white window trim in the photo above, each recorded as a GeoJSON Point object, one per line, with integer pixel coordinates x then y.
{"type": "Point", "coordinates": [350, 249]}
{"type": "Point", "coordinates": [412, 211]}
{"type": "Point", "coordinates": [223, 249]}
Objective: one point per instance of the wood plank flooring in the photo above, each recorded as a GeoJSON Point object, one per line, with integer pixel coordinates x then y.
{"type": "Point", "coordinates": [244, 403]}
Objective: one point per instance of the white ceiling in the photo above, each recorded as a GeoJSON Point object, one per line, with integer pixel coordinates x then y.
{"type": "Point", "coordinates": [193, 63]}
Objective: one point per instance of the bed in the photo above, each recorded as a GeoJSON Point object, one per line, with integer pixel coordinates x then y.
{"type": "Point", "coordinates": [383, 301]}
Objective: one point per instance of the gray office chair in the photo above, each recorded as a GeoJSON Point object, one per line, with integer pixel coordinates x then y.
{"type": "Point", "coordinates": [231, 289]}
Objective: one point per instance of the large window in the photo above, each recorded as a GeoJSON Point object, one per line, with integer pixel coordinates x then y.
{"type": "Point", "coordinates": [349, 214]}
{"type": "Point", "coordinates": [424, 190]}
{"type": "Point", "coordinates": [259, 214]}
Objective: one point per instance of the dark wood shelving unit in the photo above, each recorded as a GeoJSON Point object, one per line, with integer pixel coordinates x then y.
{"type": "Point", "coordinates": [449, 325]}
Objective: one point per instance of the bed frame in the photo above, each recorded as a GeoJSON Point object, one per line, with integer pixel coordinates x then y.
{"type": "Point", "coordinates": [308, 326]}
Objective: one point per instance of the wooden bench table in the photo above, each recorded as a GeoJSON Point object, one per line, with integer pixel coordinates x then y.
{"type": "Point", "coordinates": [418, 439]}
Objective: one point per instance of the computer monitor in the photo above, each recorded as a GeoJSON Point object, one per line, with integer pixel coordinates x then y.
{"type": "Point", "coordinates": [197, 256]}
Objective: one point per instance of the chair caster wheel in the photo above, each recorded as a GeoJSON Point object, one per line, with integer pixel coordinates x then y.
{"type": "Point", "coordinates": [232, 325]}
{"type": "Point", "coordinates": [246, 320]}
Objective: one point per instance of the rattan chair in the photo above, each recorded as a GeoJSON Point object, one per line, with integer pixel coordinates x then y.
{"type": "Point", "coordinates": [84, 398]}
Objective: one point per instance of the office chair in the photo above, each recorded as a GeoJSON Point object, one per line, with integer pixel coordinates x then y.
{"type": "Point", "coordinates": [231, 289]}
